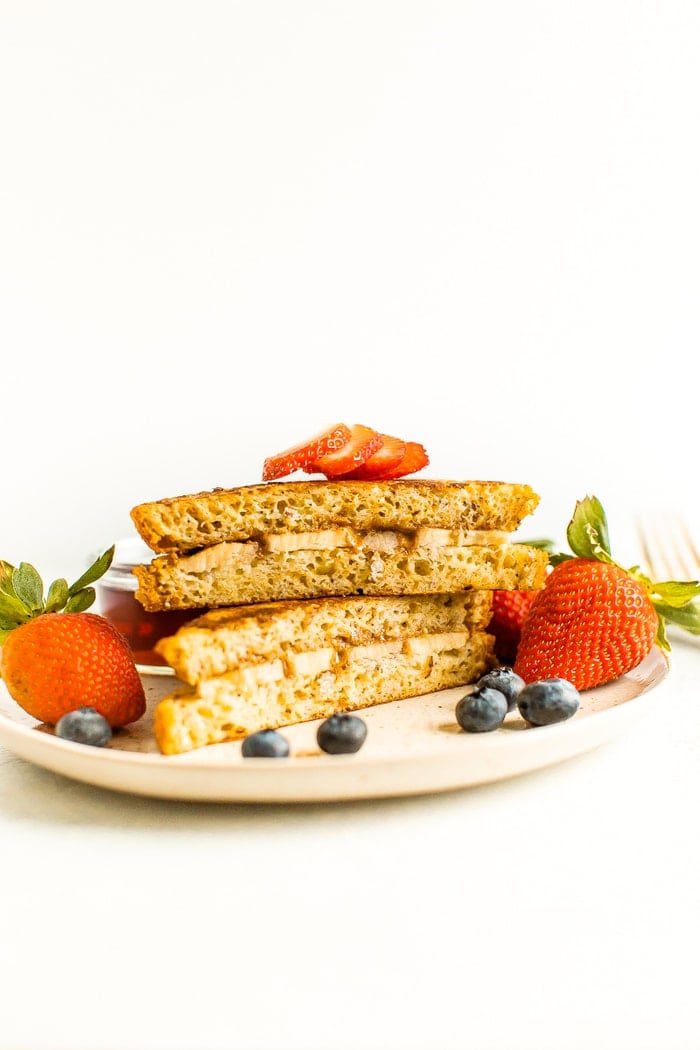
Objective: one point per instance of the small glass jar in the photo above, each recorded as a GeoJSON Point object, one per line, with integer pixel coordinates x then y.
{"type": "Point", "coordinates": [116, 601]}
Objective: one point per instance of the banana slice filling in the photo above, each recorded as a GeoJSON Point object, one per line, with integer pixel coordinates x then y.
{"type": "Point", "coordinates": [378, 541]}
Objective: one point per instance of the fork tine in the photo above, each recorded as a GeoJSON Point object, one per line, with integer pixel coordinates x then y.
{"type": "Point", "coordinates": [690, 548]}
{"type": "Point", "coordinates": [668, 549]}
{"type": "Point", "coordinates": [648, 545]}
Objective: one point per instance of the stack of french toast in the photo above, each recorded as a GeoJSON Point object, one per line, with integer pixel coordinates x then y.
{"type": "Point", "coordinates": [317, 596]}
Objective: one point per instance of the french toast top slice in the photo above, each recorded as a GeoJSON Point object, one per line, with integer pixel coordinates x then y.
{"type": "Point", "coordinates": [182, 523]}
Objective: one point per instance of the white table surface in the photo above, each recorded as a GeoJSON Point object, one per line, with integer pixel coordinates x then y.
{"type": "Point", "coordinates": [555, 909]}
{"type": "Point", "coordinates": [471, 224]}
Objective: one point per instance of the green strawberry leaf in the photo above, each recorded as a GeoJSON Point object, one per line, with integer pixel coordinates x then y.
{"type": "Point", "coordinates": [687, 616]}
{"type": "Point", "coordinates": [22, 597]}
{"type": "Point", "coordinates": [7, 588]}
{"type": "Point", "coordinates": [12, 610]}
{"type": "Point", "coordinates": [677, 593]}
{"type": "Point", "coordinates": [96, 570]}
{"type": "Point", "coordinates": [28, 586]}
{"type": "Point", "coordinates": [6, 575]}
{"type": "Point", "coordinates": [587, 532]}
{"type": "Point", "coordinates": [661, 639]}
{"type": "Point", "coordinates": [81, 600]}
{"type": "Point", "coordinates": [557, 559]}
{"type": "Point", "coordinates": [57, 596]}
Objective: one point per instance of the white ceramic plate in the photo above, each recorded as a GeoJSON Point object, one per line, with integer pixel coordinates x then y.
{"type": "Point", "coordinates": [413, 747]}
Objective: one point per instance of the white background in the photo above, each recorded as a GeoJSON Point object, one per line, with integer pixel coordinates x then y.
{"type": "Point", "coordinates": [223, 225]}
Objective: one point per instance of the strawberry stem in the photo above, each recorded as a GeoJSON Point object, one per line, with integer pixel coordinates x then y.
{"type": "Point", "coordinates": [22, 592]}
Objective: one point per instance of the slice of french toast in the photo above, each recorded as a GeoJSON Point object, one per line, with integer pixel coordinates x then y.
{"type": "Point", "coordinates": [185, 523]}
{"type": "Point", "coordinates": [251, 575]}
{"type": "Point", "coordinates": [247, 635]}
{"type": "Point", "coordinates": [266, 696]}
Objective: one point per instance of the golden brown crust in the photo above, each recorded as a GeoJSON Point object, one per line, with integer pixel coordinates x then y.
{"type": "Point", "coordinates": [169, 583]}
{"type": "Point", "coordinates": [184, 523]}
{"type": "Point", "coordinates": [228, 708]}
{"type": "Point", "coordinates": [222, 640]}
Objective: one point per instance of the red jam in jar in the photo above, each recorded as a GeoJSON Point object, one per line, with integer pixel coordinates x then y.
{"type": "Point", "coordinates": [116, 601]}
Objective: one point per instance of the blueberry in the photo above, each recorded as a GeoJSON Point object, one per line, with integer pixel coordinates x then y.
{"type": "Point", "coordinates": [341, 734]}
{"type": "Point", "coordinates": [267, 743]}
{"type": "Point", "coordinates": [482, 710]}
{"type": "Point", "coordinates": [84, 726]}
{"type": "Point", "coordinates": [548, 701]}
{"type": "Point", "coordinates": [506, 681]}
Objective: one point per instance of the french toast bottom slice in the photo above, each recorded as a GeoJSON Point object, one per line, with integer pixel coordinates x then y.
{"type": "Point", "coordinates": [229, 707]}
{"type": "Point", "coordinates": [168, 582]}
{"type": "Point", "coordinates": [224, 639]}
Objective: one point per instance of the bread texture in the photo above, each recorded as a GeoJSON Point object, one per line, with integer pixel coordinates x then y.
{"type": "Point", "coordinates": [246, 573]}
{"type": "Point", "coordinates": [226, 639]}
{"type": "Point", "coordinates": [233, 705]}
{"type": "Point", "coordinates": [184, 523]}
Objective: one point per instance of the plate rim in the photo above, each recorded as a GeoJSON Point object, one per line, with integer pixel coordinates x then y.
{"type": "Point", "coordinates": [47, 751]}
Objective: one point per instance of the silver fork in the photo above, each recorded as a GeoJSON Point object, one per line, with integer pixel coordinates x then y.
{"type": "Point", "coordinates": [668, 548]}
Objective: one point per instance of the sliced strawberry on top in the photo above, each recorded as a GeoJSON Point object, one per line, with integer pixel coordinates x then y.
{"type": "Point", "coordinates": [363, 442]}
{"type": "Point", "coordinates": [414, 458]}
{"type": "Point", "coordinates": [387, 456]}
{"type": "Point", "coordinates": [300, 456]}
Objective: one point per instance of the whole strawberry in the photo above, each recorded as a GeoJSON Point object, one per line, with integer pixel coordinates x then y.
{"type": "Point", "coordinates": [594, 620]}
{"type": "Point", "coordinates": [508, 611]}
{"type": "Point", "coordinates": [54, 661]}
{"type": "Point", "coordinates": [59, 662]}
